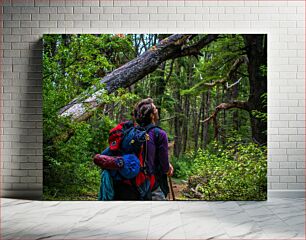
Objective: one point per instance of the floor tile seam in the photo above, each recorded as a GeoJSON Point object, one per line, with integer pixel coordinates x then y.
{"type": "Point", "coordinates": [181, 225]}
{"type": "Point", "coordinates": [260, 230]}
{"type": "Point", "coordinates": [211, 207]}
{"type": "Point", "coordinates": [251, 217]}
{"type": "Point", "coordinates": [282, 219]}
{"type": "Point", "coordinates": [149, 223]}
{"type": "Point", "coordinates": [72, 227]}
{"type": "Point", "coordinates": [182, 221]}
{"type": "Point", "coordinates": [254, 225]}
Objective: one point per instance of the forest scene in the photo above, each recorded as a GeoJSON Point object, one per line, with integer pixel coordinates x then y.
{"type": "Point", "coordinates": [210, 91]}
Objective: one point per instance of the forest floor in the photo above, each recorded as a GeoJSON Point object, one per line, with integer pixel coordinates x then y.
{"type": "Point", "coordinates": [178, 186]}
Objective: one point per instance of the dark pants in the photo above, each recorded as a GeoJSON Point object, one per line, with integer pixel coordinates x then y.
{"type": "Point", "coordinates": [125, 192]}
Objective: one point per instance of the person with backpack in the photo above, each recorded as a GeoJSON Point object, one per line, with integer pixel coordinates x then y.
{"type": "Point", "coordinates": [158, 165]}
{"type": "Point", "coordinates": [136, 162]}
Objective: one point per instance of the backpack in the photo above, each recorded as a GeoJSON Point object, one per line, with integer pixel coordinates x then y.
{"type": "Point", "coordinates": [127, 139]}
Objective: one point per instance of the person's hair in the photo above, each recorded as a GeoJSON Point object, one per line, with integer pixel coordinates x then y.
{"type": "Point", "coordinates": [143, 110]}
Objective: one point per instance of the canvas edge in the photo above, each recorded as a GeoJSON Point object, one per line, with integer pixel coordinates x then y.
{"type": "Point", "coordinates": [37, 194]}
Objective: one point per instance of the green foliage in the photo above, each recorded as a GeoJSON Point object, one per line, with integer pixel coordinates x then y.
{"type": "Point", "coordinates": [68, 159]}
{"type": "Point", "coordinates": [263, 70]}
{"type": "Point", "coordinates": [235, 171]}
{"type": "Point", "coordinates": [261, 115]}
{"type": "Point", "coordinates": [183, 165]}
{"type": "Point", "coordinates": [200, 86]}
{"type": "Point", "coordinates": [216, 62]}
{"type": "Point", "coordinates": [72, 64]}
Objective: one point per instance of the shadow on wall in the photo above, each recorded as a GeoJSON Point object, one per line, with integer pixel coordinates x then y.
{"type": "Point", "coordinates": [28, 158]}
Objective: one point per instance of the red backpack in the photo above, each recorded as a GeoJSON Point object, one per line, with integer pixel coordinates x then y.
{"type": "Point", "coordinates": [126, 138]}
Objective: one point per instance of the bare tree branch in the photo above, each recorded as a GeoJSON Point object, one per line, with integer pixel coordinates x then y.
{"type": "Point", "coordinates": [226, 106]}
{"type": "Point", "coordinates": [230, 74]}
{"type": "Point", "coordinates": [195, 48]}
{"type": "Point", "coordinates": [232, 85]}
{"type": "Point", "coordinates": [166, 119]}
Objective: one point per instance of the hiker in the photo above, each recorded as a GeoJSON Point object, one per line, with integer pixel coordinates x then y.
{"type": "Point", "coordinates": [136, 162]}
{"type": "Point", "coordinates": [158, 165]}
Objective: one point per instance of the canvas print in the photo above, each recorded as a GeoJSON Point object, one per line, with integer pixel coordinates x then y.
{"type": "Point", "coordinates": [156, 117]}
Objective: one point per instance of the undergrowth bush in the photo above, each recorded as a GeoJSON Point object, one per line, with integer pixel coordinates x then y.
{"type": "Point", "coordinates": [69, 171]}
{"type": "Point", "coordinates": [233, 171]}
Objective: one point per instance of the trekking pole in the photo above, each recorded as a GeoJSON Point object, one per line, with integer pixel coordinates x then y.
{"type": "Point", "coordinates": [171, 187]}
{"type": "Point", "coordinates": [170, 180]}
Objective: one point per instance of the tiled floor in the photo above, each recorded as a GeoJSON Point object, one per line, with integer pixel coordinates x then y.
{"type": "Point", "coordinates": [272, 219]}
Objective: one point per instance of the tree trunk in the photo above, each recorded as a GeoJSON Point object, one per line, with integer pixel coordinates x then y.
{"type": "Point", "coordinates": [224, 98]}
{"type": "Point", "coordinates": [186, 111]}
{"type": "Point", "coordinates": [234, 95]}
{"type": "Point", "coordinates": [196, 124]}
{"type": "Point", "coordinates": [185, 124]}
{"type": "Point", "coordinates": [177, 126]}
{"type": "Point", "coordinates": [202, 116]}
{"type": "Point", "coordinates": [216, 128]}
{"type": "Point", "coordinates": [160, 88]}
{"type": "Point", "coordinates": [206, 114]}
{"type": "Point", "coordinates": [128, 74]}
{"type": "Point", "coordinates": [257, 55]}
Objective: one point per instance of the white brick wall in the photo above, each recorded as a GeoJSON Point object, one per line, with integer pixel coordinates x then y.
{"type": "Point", "coordinates": [25, 21]}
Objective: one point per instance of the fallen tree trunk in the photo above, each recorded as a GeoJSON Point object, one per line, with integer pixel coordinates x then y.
{"type": "Point", "coordinates": [169, 48]}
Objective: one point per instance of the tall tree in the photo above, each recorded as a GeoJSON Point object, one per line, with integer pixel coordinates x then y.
{"type": "Point", "coordinates": [256, 49]}
{"type": "Point", "coordinates": [256, 46]}
{"type": "Point", "coordinates": [175, 46]}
